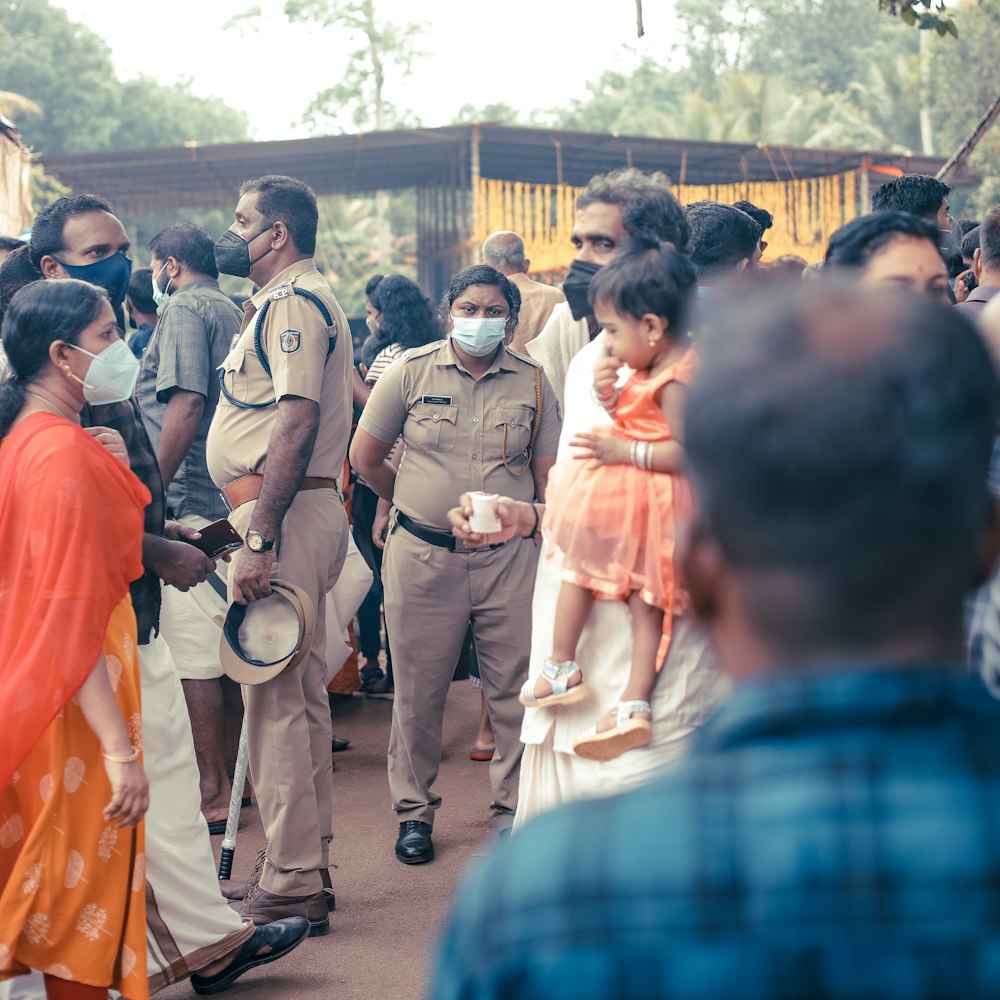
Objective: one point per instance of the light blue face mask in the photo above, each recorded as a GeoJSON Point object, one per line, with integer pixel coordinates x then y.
{"type": "Point", "coordinates": [159, 297]}
{"type": "Point", "coordinates": [478, 336]}
{"type": "Point", "coordinates": [111, 376]}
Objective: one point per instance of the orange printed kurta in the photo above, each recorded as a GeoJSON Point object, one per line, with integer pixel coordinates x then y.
{"type": "Point", "coordinates": [72, 886]}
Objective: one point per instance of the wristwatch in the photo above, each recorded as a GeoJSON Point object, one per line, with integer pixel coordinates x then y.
{"type": "Point", "coordinates": [256, 542]}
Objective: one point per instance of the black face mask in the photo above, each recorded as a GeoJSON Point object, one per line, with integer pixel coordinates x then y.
{"type": "Point", "coordinates": [232, 254]}
{"type": "Point", "coordinates": [576, 286]}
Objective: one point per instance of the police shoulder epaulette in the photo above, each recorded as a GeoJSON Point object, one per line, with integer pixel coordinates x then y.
{"type": "Point", "coordinates": [524, 357]}
{"type": "Point", "coordinates": [419, 352]}
{"type": "Point", "coordinates": [281, 291]}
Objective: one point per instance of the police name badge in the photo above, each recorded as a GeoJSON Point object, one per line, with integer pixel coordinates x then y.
{"type": "Point", "coordinates": [290, 341]}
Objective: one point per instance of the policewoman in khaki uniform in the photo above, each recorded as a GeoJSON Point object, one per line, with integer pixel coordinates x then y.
{"type": "Point", "coordinates": [275, 448]}
{"type": "Point", "coordinates": [473, 416]}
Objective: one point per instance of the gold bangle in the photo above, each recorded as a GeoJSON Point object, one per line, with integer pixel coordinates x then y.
{"type": "Point", "coordinates": [119, 759]}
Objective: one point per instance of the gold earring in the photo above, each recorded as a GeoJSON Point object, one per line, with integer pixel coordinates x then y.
{"type": "Point", "coordinates": [652, 341]}
{"type": "Point", "coordinates": [68, 371]}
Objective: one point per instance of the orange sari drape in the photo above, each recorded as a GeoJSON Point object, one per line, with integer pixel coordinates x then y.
{"type": "Point", "coordinates": [72, 887]}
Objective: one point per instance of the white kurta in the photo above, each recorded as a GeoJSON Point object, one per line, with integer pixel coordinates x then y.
{"type": "Point", "coordinates": [561, 339]}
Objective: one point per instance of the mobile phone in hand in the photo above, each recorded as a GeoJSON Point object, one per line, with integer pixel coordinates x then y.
{"type": "Point", "coordinates": [218, 538]}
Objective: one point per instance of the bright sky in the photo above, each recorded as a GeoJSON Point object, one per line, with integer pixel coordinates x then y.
{"type": "Point", "coordinates": [527, 53]}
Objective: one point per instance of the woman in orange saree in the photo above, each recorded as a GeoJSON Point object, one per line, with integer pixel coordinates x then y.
{"type": "Point", "coordinates": [72, 788]}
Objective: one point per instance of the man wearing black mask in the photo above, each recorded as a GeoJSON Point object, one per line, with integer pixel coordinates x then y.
{"type": "Point", "coordinates": [611, 208]}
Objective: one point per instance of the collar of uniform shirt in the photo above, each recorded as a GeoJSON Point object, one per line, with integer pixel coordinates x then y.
{"type": "Point", "coordinates": [291, 272]}
{"type": "Point", "coordinates": [447, 358]}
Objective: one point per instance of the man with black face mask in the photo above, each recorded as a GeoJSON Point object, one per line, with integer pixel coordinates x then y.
{"type": "Point", "coordinates": [612, 208]}
{"type": "Point", "coordinates": [276, 448]}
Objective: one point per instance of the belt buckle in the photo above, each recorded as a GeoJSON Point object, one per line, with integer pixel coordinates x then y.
{"type": "Point", "coordinates": [457, 545]}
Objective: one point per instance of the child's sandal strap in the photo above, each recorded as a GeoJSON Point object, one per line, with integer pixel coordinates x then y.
{"type": "Point", "coordinates": [626, 709]}
{"type": "Point", "coordinates": [558, 674]}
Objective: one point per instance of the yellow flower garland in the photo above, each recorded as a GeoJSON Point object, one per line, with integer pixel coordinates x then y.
{"type": "Point", "coordinates": [805, 213]}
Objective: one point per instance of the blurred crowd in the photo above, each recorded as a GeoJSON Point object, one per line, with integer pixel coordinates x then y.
{"type": "Point", "coordinates": [713, 534]}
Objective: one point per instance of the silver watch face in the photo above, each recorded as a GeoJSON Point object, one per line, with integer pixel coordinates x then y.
{"type": "Point", "coordinates": [255, 540]}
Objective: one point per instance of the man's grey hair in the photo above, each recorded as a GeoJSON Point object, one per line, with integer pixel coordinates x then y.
{"type": "Point", "coordinates": [503, 249]}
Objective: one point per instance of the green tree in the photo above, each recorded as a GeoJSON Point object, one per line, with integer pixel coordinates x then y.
{"type": "Point", "coordinates": [155, 115]}
{"type": "Point", "coordinates": [385, 50]}
{"type": "Point", "coordinates": [66, 71]}
{"type": "Point", "coordinates": [635, 102]}
{"type": "Point", "coordinates": [966, 79]}
{"type": "Point", "coordinates": [63, 67]}
{"type": "Point", "coordinates": [499, 112]}
{"type": "Point", "coordinates": [822, 44]}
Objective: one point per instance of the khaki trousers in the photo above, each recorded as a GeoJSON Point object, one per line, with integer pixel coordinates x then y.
{"type": "Point", "coordinates": [431, 595]}
{"type": "Point", "coordinates": [288, 717]}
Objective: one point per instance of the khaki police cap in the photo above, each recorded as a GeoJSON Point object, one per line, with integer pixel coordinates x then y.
{"type": "Point", "coordinates": [269, 636]}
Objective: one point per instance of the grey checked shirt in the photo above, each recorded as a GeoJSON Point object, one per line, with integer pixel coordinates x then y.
{"type": "Point", "coordinates": [191, 340]}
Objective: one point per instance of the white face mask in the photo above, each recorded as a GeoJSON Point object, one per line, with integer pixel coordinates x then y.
{"type": "Point", "coordinates": [111, 376]}
{"type": "Point", "coordinates": [478, 336]}
{"type": "Point", "coordinates": [159, 297]}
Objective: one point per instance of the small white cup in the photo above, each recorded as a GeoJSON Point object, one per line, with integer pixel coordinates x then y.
{"type": "Point", "coordinates": [484, 520]}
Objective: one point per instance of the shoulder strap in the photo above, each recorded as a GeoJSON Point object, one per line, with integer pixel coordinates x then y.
{"type": "Point", "coordinates": [258, 346]}
{"type": "Point", "coordinates": [258, 341]}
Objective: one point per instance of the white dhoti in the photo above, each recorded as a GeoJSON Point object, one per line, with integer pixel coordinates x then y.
{"type": "Point", "coordinates": [191, 621]}
{"type": "Point", "coordinates": [188, 922]}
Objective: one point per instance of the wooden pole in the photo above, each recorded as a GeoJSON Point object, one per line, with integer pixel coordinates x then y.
{"type": "Point", "coordinates": [865, 183]}
{"type": "Point", "coordinates": [640, 30]}
{"type": "Point", "coordinates": [958, 158]}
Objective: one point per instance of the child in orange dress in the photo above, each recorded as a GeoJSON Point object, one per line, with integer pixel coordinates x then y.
{"type": "Point", "coordinates": [613, 510]}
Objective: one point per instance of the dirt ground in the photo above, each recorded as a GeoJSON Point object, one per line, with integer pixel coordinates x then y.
{"type": "Point", "coordinates": [388, 914]}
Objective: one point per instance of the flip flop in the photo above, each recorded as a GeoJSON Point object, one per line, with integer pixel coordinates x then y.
{"type": "Point", "coordinates": [482, 753]}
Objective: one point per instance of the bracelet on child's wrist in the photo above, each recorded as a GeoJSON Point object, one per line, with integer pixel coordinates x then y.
{"type": "Point", "coordinates": [641, 454]}
{"type": "Point", "coordinates": [608, 402]}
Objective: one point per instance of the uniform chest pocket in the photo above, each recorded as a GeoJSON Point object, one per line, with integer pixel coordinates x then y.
{"type": "Point", "coordinates": [234, 376]}
{"type": "Point", "coordinates": [244, 381]}
{"type": "Point", "coordinates": [433, 427]}
{"type": "Point", "coordinates": [512, 431]}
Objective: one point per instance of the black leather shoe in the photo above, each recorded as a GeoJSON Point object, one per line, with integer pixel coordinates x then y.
{"type": "Point", "coordinates": [414, 845]}
{"type": "Point", "coordinates": [282, 936]}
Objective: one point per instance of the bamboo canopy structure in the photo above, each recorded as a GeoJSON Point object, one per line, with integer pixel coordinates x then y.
{"type": "Point", "coordinates": [472, 179]}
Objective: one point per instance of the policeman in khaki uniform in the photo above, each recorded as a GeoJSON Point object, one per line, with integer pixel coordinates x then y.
{"type": "Point", "coordinates": [275, 448]}
{"type": "Point", "coordinates": [473, 416]}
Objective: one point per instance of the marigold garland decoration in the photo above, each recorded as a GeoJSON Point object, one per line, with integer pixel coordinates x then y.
{"type": "Point", "coordinates": [805, 213]}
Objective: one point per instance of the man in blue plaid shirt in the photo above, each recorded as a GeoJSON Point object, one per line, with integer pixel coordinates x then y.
{"type": "Point", "coordinates": [835, 830]}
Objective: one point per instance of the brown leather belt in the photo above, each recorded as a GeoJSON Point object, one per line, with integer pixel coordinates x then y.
{"type": "Point", "coordinates": [247, 488]}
